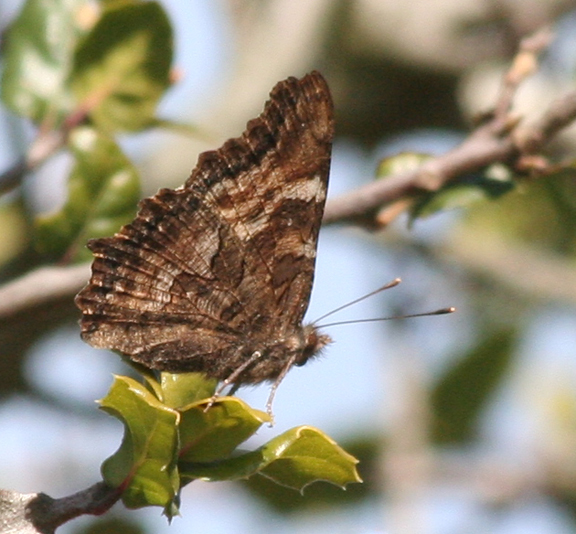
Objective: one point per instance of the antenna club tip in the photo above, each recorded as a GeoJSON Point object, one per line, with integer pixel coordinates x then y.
{"type": "Point", "coordinates": [445, 311]}
{"type": "Point", "coordinates": [389, 285]}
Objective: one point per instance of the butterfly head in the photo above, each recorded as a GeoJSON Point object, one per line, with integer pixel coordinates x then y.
{"type": "Point", "coordinates": [309, 342]}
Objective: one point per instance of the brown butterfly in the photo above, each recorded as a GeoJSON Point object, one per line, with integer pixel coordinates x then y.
{"type": "Point", "coordinates": [215, 276]}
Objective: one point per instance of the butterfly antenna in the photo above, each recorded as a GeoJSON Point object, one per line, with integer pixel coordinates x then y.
{"type": "Point", "coordinates": [394, 283]}
{"type": "Point", "coordinates": [441, 311]}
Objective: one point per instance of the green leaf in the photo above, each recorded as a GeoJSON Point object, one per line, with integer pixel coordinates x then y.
{"type": "Point", "coordinates": [144, 466]}
{"type": "Point", "coordinates": [282, 500]}
{"type": "Point", "coordinates": [304, 455]}
{"type": "Point", "coordinates": [462, 393]}
{"type": "Point", "coordinates": [122, 68]}
{"type": "Point", "coordinates": [207, 436]}
{"type": "Point", "coordinates": [181, 389]}
{"type": "Point", "coordinates": [294, 459]}
{"type": "Point", "coordinates": [103, 191]}
{"type": "Point", "coordinates": [38, 57]}
{"type": "Point", "coordinates": [490, 184]}
{"type": "Point", "coordinates": [403, 162]}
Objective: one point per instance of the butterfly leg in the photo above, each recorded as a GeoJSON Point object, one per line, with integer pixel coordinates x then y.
{"type": "Point", "coordinates": [234, 389]}
{"type": "Point", "coordinates": [230, 379]}
{"type": "Point", "coordinates": [275, 385]}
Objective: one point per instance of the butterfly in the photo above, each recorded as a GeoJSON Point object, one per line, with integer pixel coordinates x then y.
{"type": "Point", "coordinates": [215, 276]}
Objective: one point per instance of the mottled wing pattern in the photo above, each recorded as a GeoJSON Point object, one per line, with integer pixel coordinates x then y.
{"type": "Point", "coordinates": [208, 272]}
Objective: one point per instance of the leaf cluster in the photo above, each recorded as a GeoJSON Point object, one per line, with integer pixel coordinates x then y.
{"type": "Point", "coordinates": [83, 73]}
{"type": "Point", "coordinates": [172, 439]}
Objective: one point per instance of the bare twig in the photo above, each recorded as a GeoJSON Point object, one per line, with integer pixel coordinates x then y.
{"type": "Point", "coordinates": [480, 149]}
{"type": "Point", "coordinates": [37, 513]}
{"type": "Point", "coordinates": [525, 63]}
{"type": "Point", "coordinates": [12, 177]}
{"type": "Point", "coordinates": [41, 285]}
{"type": "Point", "coordinates": [560, 114]}
{"type": "Point", "coordinates": [501, 139]}
{"type": "Point", "coordinates": [45, 145]}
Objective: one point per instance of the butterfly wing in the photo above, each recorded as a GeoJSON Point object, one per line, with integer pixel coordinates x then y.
{"type": "Point", "coordinates": [206, 271]}
{"type": "Point", "coordinates": [269, 186]}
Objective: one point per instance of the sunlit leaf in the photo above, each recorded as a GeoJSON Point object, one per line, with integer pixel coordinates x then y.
{"type": "Point", "coordinates": [144, 466]}
{"type": "Point", "coordinates": [368, 450]}
{"type": "Point", "coordinates": [403, 162]}
{"type": "Point", "coordinates": [122, 67]}
{"type": "Point", "coordinates": [103, 190]}
{"type": "Point", "coordinates": [38, 55]}
{"type": "Point", "coordinates": [295, 459]}
{"type": "Point", "coordinates": [180, 389]}
{"type": "Point", "coordinates": [213, 434]}
{"type": "Point", "coordinates": [490, 184]}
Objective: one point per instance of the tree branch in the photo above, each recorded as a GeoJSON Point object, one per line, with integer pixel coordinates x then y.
{"type": "Point", "coordinates": [45, 145]}
{"type": "Point", "coordinates": [560, 114]}
{"type": "Point", "coordinates": [480, 149]}
{"type": "Point", "coordinates": [500, 139]}
{"type": "Point", "coordinates": [525, 63]}
{"type": "Point", "coordinates": [37, 513]}
{"type": "Point", "coordinates": [42, 285]}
